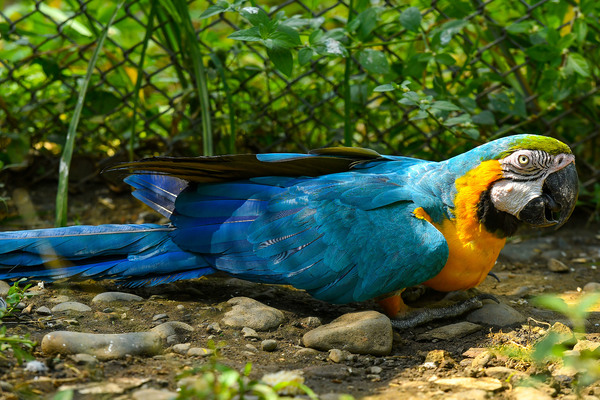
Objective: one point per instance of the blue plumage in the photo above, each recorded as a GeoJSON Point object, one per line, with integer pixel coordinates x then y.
{"type": "Point", "coordinates": [338, 223]}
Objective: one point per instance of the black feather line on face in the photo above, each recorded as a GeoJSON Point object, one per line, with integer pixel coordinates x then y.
{"type": "Point", "coordinates": [501, 223]}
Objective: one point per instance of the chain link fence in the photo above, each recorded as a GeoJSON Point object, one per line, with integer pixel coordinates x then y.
{"type": "Point", "coordinates": [46, 46]}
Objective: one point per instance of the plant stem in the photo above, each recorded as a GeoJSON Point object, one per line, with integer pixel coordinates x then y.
{"type": "Point", "coordinates": [67, 153]}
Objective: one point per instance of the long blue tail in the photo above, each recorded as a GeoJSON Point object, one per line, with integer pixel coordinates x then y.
{"type": "Point", "coordinates": [138, 254]}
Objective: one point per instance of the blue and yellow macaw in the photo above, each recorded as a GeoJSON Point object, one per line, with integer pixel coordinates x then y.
{"type": "Point", "coordinates": [344, 224]}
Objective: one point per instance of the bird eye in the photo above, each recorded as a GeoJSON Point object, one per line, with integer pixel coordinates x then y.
{"type": "Point", "coordinates": [523, 160]}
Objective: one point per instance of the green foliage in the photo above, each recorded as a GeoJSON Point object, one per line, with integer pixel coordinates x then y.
{"type": "Point", "coordinates": [20, 346]}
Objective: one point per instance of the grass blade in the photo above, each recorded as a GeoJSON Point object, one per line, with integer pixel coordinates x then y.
{"type": "Point", "coordinates": [67, 153]}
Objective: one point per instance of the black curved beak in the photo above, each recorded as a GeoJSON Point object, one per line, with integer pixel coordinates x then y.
{"type": "Point", "coordinates": [555, 205]}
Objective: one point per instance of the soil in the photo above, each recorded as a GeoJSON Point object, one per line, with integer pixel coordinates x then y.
{"type": "Point", "coordinates": [403, 374]}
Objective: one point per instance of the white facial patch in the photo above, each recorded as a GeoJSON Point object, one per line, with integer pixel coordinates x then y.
{"type": "Point", "coordinates": [524, 173]}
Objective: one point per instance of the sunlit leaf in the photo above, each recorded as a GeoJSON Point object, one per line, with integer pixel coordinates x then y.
{"type": "Point", "coordinates": [411, 19]}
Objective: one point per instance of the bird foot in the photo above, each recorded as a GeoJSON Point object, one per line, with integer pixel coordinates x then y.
{"type": "Point", "coordinates": [424, 315]}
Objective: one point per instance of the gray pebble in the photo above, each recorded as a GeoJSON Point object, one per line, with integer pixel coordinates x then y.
{"type": "Point", "coordinates": [311, 322]}
{"type": "Point", "coordinates": [71, 306]}
{"type": "Point", "coordinates": [247, 312]}
{"type": "Point", "coordinates": [249, 333]}
{"type": "Point", "coordinates": [199, 352]}
{"type": "Point", "coordinates": [83, 358]}
{"type": "Point", "coordinates": [61, 298]}
{"type": "Point", "coordinates": [37, 367]}
{"type": "Point", "coordinates": [252, 348]}
{"type": "Point", "coordinates": [592, 287]}
{"type": "Point", "coordinates": [43, 310]}
{"type": "Point", "coordinates": [180, 307]}
{"type": "Point", "coordinates": [499, 315]}
{"type": "Point", "coordinates": [375, 370]}
{"type": "Point", "coordinates": [153, 394]}
{"type": "Point", "coordinates": [268, 345]}
{"type": "Point", "coordinates": [337, 355]}
{"type": "Point", "coordinates": [4, 287]}
{"type": "Point", "coordinates": [167, 329]}
{"type": "Point", "coordinates": [159, 317]}
{"type": "Point", "coordinates": [103, 346]}
{"type": "Point", "coordinates": [307, 353]}
{"type": "Point", "coordinates": [5, 386]}
{"type": "Point", "coordinates": [181, 348]}
{"type": "Point", "coordinates": [367, 332]}
{"type": "Point", "coordinates": [555, 265]}
{"type": "Point", "coordinates": [108, 297]}
{"type": "Point", "coordinates": [213, 328]}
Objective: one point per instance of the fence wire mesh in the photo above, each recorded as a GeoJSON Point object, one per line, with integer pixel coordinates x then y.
{"type": "Point", "coordinates": [46, 46]}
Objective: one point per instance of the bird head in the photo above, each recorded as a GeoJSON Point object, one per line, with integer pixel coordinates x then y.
{"type": "Point", "coordinates": [537, 184]}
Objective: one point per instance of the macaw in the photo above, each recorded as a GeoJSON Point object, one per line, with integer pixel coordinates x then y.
{"type": "Point", "coordinates": [344, 224]}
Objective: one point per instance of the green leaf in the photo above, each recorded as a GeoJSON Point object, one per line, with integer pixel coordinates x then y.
{"type": "Point", "coordinates": [388, 87]}
{"type": "Point", "coordinates": [577, 64]}
{"type": "Point", "coordinates": [368, 22]}
{"type": "Point", "coordinates": [61, 17]}
{"type": "Point", "coordinates": [419, 115]}
{"type": "Point", "coordinates": [411, 19]}
{"type": "Point", "coordinates": [316, 37]}
{"type": "Point", "coordinates": [218, 8]}
{"type": "Point", "coordinates": [580, 30]}
{"type": "Point", "coordinates": [50, 67]}
{"type": "Point", "coordinates": [247, 35]}
{"type": "Point", "coordinates": [552, 303]}
{"type": "Point", "coordinates": [449, 29]}
{"type": "Point", "coordinates": [257, 16]}
{"type": "Point", "coordinates": [543, 52]}
{"type": "Point", "coordinates": [282, 59]}
{"type": "Point", "coordinates": [374, 61]}
{"type": "Point", "coordinates": [445, 59]}
{"type": "Point", "coordinates": [305, 55]}
{"type": "Point", "coordinates": [286, 36]}
{"type": "Point", "coordinates": [472, 133]}
{"type": "Point", "coordinates": [443, 105]}
{"type": "Point", "coordinates": [520, 27]}
{"type": "Point", "coordinates": [461, 119]}
{"type": "Point", "coordinates": [485, 117]}
{"type": "Point", "coordinates": [407, 102]}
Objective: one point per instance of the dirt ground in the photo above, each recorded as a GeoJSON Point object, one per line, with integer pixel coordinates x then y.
{"type": "Point", "coordinates": [403, 373]}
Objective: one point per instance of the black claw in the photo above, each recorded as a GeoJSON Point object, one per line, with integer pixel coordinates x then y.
{"type": "Point", "coordinates": [493, 275]}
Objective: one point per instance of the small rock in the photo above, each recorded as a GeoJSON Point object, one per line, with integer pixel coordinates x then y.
{"type": "Point", "coordinates": [481, 360]}
{"type": "Point", "coordinates": [367, 332]}
{"type": "Point", "coordinates": [4, 288]}
{"type": "Point", "coordinates": [252, 348]}
{"type": "Point", "coordinates": [555, 265]}
{"type": "Point", "coordinates": [439, 358]}
{"type": "Point", "coordinates": [71, 306]}
{"type": "Point", "coordinates": [504, 374]}
{"type": "Point", "coordinates": [83, 358]}
{"type": "Point", "coordinates": [159, 317]}
{"type": "Point", "coordinates": [293, 376]}
{"type": "Point", "coordinates": [247, 312]}
{"type": "Point", "coordinates": [6, 387]}
{"type": "Point", "coordinates": [483, 383]}
{"type": "Point", "coordinates": [528, 393]}
{"type": "Point", "coordinates": [199, 352]}
{"type": "Point", "coordinates": [37, 367]}
{"type": "Point", "coordinates": [167, 329]}
{"type": "Point", "coordinates": [589, 345]}
{"type": "Point", "coordinates": [331, 371]}
{"type": "Point", "coordinates": [375, 370]}
{"type": "Point", "coordinates": [213, 328]}
{"type": "Point", "coordinates": [61, 298]}
{"type": "Point", "coordinates": [268, 345]}
{"type": "Point", "coordinates": [499, 315]}
{"type": "Point", "coordinates": [249, 333]}
{"type": "Point", "coordinates": [181, 348]}
{"type": "Point", "coordinates": [592, 287]}
{"type": "Point", "coordinates": [180, 307]}
{"type": "Point", "coordinates": [153, 394]}
{"type": "Point", "coordinates": [306, 353]}
{"type": "Point", "coordinates": [108, 297]}
{"type": "Point", "coordinates": [310, 322]}
{"type": "Point", "coordinates": [103, 346]}
{"type": "Point", "coordinates": [453, 331]}
{"type": "Point", "coordinates": [43, 310]}
{"type": "Point", "coordinates": [337, 355]}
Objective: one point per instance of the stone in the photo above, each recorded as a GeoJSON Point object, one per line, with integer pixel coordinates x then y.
{"type": "Point", "coordinates": [173, 330]}
{"type": "Point", "coordinates": [528, 393]}
{"type": "Point", "coordinates": [158, 317]}
{"type": "Point", "coordinates": [213, 327]}
{"type": "Point", "coordinates": [83, 358]}
{"type": "Point", "coordinates": [375, 370]}
{"type": "Point", "coordinates": [332, 371]}
{"type": "Point", "coordinates": [247, 312]}
{"type": "Point", "coordinates": [481, 360]}
{"type": "Point", "coordinates": [4, 288]}
{"type": "Point", "coordinates": [35, 366]}
{"type": "Point", "coordinates": [366, 332]}
{"type": "Point", "coordinates": [71, 306]}
{"type": "Point", "coordinates": [153, 394]}
{"type": "Point", "coordinates": [43, 310]}
{"type": "Point", "coordinates": [199, 352]}
{"type": "Point", "coordinates": [555, 265]}
{"type": "Point", "coordinates": [337, 355]}
{"type": "Point", "coordinates": [589, 345]}
{"type": "Point", "coordinates": [482, 383]}
{"type": "Point", "coordinates": [268, 345]}
{"type": "Point", "coordinates": [61, 298]}
{"type": "Point", "coordinates": [473, 394]}
{"type": "Point", "coordinates": [310, 322]}
{"type": "Point", "coordinates": [108, 297]}
{"type": "Point", "coordinates": [293, 376]}
{"type": "Point", "coordinates": [307, 353]}
{"type": "Point", "coordinates": [102, 346]}
{"type": "Point", "coordinates": [249, 333]}
{"type": "Point", "coordinates": [453, 331]}
{"type": "Point", "coordinates": [591, 287]}
{"type": "Point", "coordinates": [181, 348]}
{"type": "Point", "coordinates": [505, 374]}
{"type": "Point", "coordinates": [498, 315]}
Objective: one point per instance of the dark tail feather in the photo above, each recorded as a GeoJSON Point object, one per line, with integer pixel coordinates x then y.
{"type": "Point", "coordinates": [138, 254]}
